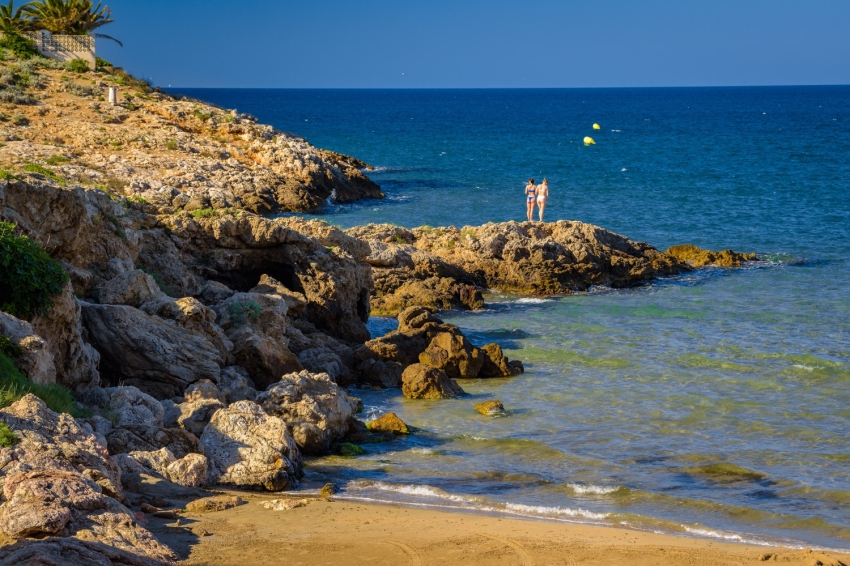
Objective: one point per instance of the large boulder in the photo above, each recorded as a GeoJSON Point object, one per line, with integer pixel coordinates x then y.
{"type": "Point", "coordinates": [236, 385]}
{"type": "Point", "coordinates": [128, 406]}
{"type": "Point", "coordinates": [192, 315]}
{"type": "Point", "coordinates": [35, 359]}
{"type": "Point", "coordinates": [188, 471]}
{"type": "Point", "coordinates": [148, 438]}
{"type": "Point", "coordinates": [200, 403]}
{"type": "Point", "coordinates": [245, 447]}
{"type": "Point", "coordinates": [75, 360]}
{"type": "Point", "coordinates": [132, 288]}
{"type": "Point", "coordinates": [141, 350]}
{"type": "Point", "coordinates": [315, 408]}
{"type": "Point", "coordinates": [452, 353]}
{"type": "Point", "coordinates": [264, 358]}
{"type": "Point", "coordinates": [496, 364]}
{"type": "Point", "coordinates": [420, 381]}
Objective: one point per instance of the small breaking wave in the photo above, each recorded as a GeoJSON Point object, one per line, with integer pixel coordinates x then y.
{"type": "Point", "coordinates": [408, 489]}
{"type": "Point", "coordinates": [582, 489]}
{"type": "Point", "coordinates": [538, 511]}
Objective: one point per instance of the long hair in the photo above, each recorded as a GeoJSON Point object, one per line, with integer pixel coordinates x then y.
{"type": "Point", "coordinates": [531, 181]}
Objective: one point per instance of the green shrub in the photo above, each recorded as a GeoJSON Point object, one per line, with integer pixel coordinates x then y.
{"type": "Point", "coordinates": [78, 66]}
{"type": "Point", "coordinates": [204, 213]}
{"type": "Point", "coordinates": [19, 45]}
{"type": "Point", "coordinates": [36, 168]}
{"type": "Point", "coordinates": [14, 385]}
{"type": "Point", "coordinates": [102, 62]}
{"type": "Point", "coordinates": [28, 276]}
{"type": "Point", "coordinates": [6, 175]}
{"type": "Point", "coordinates": [7, 437]}
{"type": "Point", "coordinates": [171, 145]}
{"type": "Point", "coordinates": [9, 349]}
{"type": "Point", "coordinates": [56, 159]}
{"type": "Point", "coordinates": [241, 311]}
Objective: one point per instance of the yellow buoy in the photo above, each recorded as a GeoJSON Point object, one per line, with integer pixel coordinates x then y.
{"type": "Point", "coordinates": [589, 141]}
{"type": "Point", "coordinates": [597, 127]}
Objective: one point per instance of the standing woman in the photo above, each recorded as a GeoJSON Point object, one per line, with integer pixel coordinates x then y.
{"type": "Point", "coordinates": [542, 197]}
{"type": "Point", "coordinates": [530, 191]}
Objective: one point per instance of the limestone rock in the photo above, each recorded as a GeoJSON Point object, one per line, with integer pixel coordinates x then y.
{"type": "Point", "coordinates": [496, 364]}
{"type": "Point", "coordinates": [76, 361]}
{"type": "Point", "coordinates": [196, 414]}
{"type": "Point", "coordinates": [420, 381]}
{"type": "Point", "coordinates": [214, 503]}
{"type": "Point", "coordinates": [264, 358]}
{"type": "Point", "coordinates": [414, 318]}
{"type": "Point", "coordinates": [388, 423]}
{"type": "Point", "coordinates": [236, 385]}
{"type": "Point", "coordinates": [35, 360]}
{"type": "Point", "coordinates": [283, 504]}
{"type": "Point", "coordinates": [49, 441]}
{"type": "Point", "coordinates": [132, 288]}
{"type": "Point", "coordinates": [315, 408]}
{"type": "Point", "coordinates": [214, 292]}
{"type": "Point", "coordinates": [58, 551]}
{"type": "Point", "coordinates": [453, 354]}
{"type": "Point", "coordinates": [189, 471]}
{"type": "Point", "coordinates": [295, 302]}
{"type": "Point", "coordinates": [147, 438]}
{"type": "Point", "coordinates": [201, 390]}
{"type": "Point", "coordinates": [194, 317]}
{"type": "Point", "coordinates": [490, 408]}
{"type": "Point", "coordinates": [141, 350]}
{"type": "Point", "coordinates": [700, 258]}
{"type": "Point", "coordinates": [130, 406]}
{"type": "Point", "coordinates": [246, 447]}
{"type": "Point", "coordinates": [324, 360]}
{"type": "Point", "coordinates": [378, 372]}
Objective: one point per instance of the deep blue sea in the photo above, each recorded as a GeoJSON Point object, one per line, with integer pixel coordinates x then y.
{"type": "Point", "coordinates": [715, 404]}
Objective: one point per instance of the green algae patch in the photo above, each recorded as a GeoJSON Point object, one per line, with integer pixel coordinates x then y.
{"type": "Point", "coordinates": [349, 450]}
{"type": "Point", "coordinates": [726, 473]}
{"type": "Point", "coordinates": [7, 437]}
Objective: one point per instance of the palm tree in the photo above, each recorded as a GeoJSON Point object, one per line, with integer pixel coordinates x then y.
{"type": "Point", "coordinates": [71, 17]}
{"type": "Point", "coordinates": [14, 20]}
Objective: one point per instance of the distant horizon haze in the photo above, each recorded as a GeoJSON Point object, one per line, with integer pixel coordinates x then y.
{"type": "Point", "coordinates": [477, 44]}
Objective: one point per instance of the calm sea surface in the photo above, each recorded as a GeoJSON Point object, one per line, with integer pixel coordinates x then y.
{"type": "Point", "coordinates": [717, 403]}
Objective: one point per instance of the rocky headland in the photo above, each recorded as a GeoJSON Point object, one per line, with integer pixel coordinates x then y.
{"type": "Point", "coordinates": [199, 342]}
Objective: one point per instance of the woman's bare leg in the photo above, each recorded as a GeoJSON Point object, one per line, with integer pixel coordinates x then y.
{"type": "Point", "coordinates": [541, 206]}
{"type": "Point", "coordinates": [530, 210]}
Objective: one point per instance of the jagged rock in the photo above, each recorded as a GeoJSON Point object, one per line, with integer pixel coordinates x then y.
{"type": "Point", "coordinates": [388, 423]}
{"type": "Point", "coordinates": [214, 503]}
{"type": "Point", "coordinates": [400, 347]}
{"type": "Point", "coordinates": [161, 258]}
{"type": "Point", "coordinates": [295, 302]}
{"type": "Point", "coordinates": [490, 408]}
{"type": "Point", "coordinates": [144, 351]}
{"type": "Point", "coordinates": [380, 373]}
{"type": "Point", "coordinates": [76, 361]}
{"type": "Point", "coordinates": [203, 390]}
{"type": "Point", "coordinates": [59, 551]}
{"type": "Point", "coordinates": [195, 415]}
{"type": "Point", "coordinates": [414, 318]}
{"type": "Point", "coordinates": [236, 385]}
{"type": "Point", "coordinates": [214, 292]}
{"type": "Point", "coordinates": [189, 471]}
{"type": "Point", "coordinates": [697, 257]}
{"type": "Point", "coordinates": [264, 359]}
{"type": "Point", "coordinates": [154, 460]}
{"type": "Point", "coordinates": [147, 438]}
{"type": "Point", "coordinates": [194, 317]}
{"type": "Point", "coordinates": [130, 406]}
{"type": "Point", "coordinates": [246, 447]}
{"type": "Point", "coordinates": [452, 353]}
{"type": "Point", "coordinates": [420, 381]}
{"type": "Point", "coordinates": [170, 413]}
{"type": "Point", "coordinates": [323, 360]}
{"type": "Point", "coordinates": [132, 288]}
{"type": "Point", "coordinates": [265, 314]}
{"type": "Point", "coordinates": [496, 364]}
{"type": "Point", "coordinates": [315, 408]}
{"type": "Point", "coordinates": [35, 360]}
{"type": "Point", "coordinates": [49, 441]}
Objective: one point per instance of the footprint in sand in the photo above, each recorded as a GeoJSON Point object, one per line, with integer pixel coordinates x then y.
{"type": "Point", "coordinates": [524, 558]}
{"type": "Point", "coordinates": [412, 553]}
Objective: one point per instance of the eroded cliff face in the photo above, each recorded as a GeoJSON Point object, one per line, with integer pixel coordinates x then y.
{"type": "Point", "coordinates": [442, 267]}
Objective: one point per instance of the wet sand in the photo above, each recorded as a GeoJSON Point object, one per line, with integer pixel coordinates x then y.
{"type": "Point", "coordinates": [352, 533]}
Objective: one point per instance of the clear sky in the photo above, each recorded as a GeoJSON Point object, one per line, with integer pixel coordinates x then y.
{"type": "Point", "coordinates": [481, 43]}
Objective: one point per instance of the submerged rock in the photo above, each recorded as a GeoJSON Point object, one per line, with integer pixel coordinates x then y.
{"type": "Point", "coordinates": [490, 408]}
{"type": "Point", "coordinates": [697, 257]}
{"type": "Point", "coordinates": [388, 423]}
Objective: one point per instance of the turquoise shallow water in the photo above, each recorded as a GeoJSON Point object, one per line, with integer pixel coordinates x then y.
{"type": "Point", "coordinates": [715, 403]}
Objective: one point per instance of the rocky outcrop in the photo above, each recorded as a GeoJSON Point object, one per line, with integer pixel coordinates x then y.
{"type": "Point", "coordinates": [148, 438]}
{"type": "Point", "coordinates": [58, 481]}
{"type": "Point", "coordinates": [529, 258]}
{"type": "Point", "coordinates": [188, 471]}
{"type": "Point", "coordinates": [143, 351]}
{"type": "Point", "coordinates": [129, 406]}
{"type": "Point", "coordinates": [316, 410]}
{"type": "Point", "coordinates": [35, 359]}
{"type": "Point", "coordinates": [425, 382]}
{"type": "Point", "coordinates": [697, 257]}
{"type": "Point", "coordinates": [202, 400]}
{"type": "Point", "coordinates": [132, 288]}
{"type": "Point", "coordinates": [424, 338]}
{"type": "Point", "coordinates": [245, 447]}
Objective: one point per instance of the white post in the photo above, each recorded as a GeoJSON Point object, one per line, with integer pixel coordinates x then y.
{"type": "Point", "coordinates": [112, 97]}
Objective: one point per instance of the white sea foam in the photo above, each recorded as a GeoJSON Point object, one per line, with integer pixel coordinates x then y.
{"type": "Point", "coordinates": [807, 368]}
{"type": "Point", "coordinates": [406, 489]}
{"type": "Point", "coordinates": [593, 489]}
{"type": "Point", "coordinates": [539, 510]}
{"type": "Point", "coordinates": [532, 300]}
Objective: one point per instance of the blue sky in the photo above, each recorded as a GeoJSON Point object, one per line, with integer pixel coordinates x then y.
{"type": "Point", "coordinates": [477, 43]}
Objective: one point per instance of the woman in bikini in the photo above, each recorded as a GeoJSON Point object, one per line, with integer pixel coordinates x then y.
{"type": "Point", "coordinates": [542, 197]}
{"type": "Point", "coordinates": [530, 192]}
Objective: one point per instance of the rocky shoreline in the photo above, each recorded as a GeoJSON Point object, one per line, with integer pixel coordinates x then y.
{"type": "Point", "coordinates": [206, 344]}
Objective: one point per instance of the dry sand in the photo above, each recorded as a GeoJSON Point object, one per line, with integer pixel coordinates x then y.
{"type": "Point", "coordinates": [346, 532]}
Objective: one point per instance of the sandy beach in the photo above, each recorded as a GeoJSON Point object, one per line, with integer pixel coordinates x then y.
{"type": "Point", "coordinates": [350, 532]}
